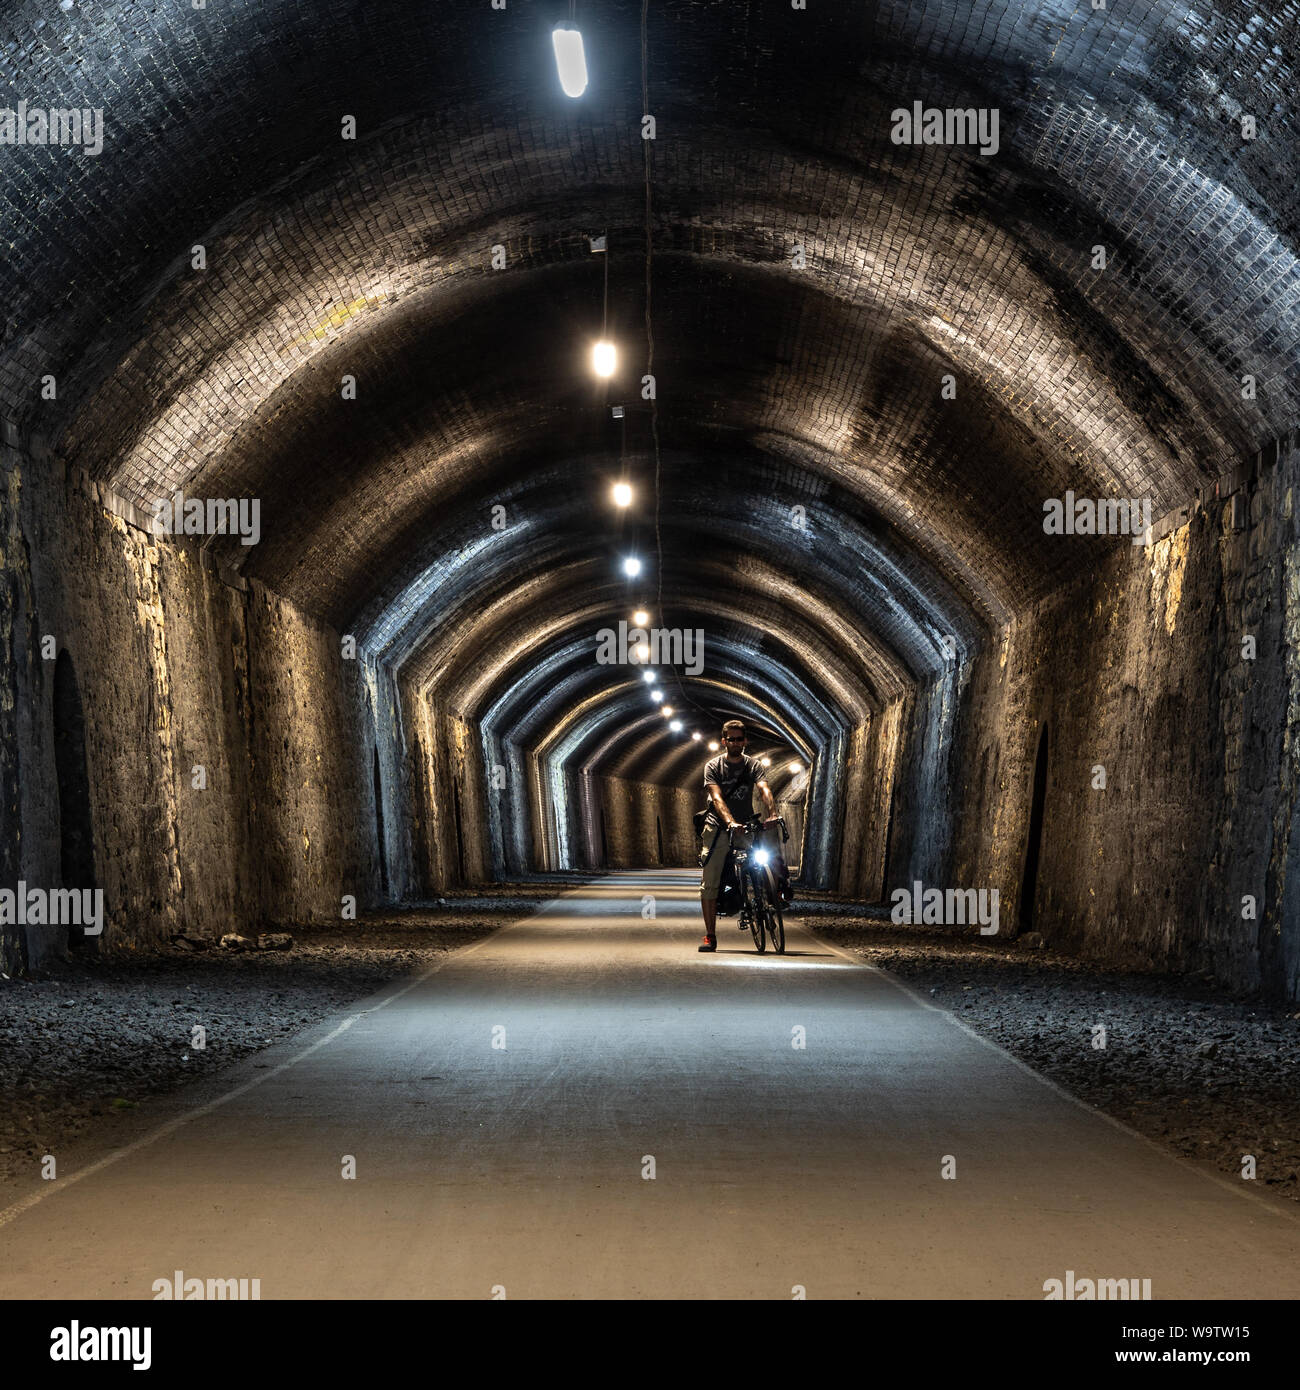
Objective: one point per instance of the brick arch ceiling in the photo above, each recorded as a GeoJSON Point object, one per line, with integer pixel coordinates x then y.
{"type": "Point", "coordinates": [813, 282]}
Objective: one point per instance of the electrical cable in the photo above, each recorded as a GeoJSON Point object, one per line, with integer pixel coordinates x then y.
{"type": "Point", "coordinates": [650, 358]}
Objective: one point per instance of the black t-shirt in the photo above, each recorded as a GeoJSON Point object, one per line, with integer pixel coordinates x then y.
{"type": "Point", "coordinates": [736, 782]}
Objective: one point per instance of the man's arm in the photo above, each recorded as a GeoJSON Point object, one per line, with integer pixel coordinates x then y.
{"type": "Point", "coordinates": [720, 806]}
{"type": "Point", "coordinates": [769, 801]}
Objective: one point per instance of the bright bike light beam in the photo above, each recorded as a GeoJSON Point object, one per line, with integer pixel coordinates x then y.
{"type": "Point", "coordinates": [570, 60]}
{"type": "Point", "coordinates": [761, 856]}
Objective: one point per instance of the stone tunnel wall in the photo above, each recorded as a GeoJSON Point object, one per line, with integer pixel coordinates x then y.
{"type": "Point", "coordinates": [898, 804]}
{"type": "Point", "coordinates": [636, 815]}
{"type": "Point", "coordinates": [177, 671]}
{"type": "Point", "coordinates": [1144, 668]}
{"type": "Point", "coordinates": [447, 797]}
{"type": "Point", "coordinates": [870, 765]}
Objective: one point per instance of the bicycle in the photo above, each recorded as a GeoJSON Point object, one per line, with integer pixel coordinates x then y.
{"type": "Point", "coordinates": [760, 902]}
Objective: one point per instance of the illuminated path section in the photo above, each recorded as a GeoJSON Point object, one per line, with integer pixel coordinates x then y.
{"type": "Point", "coordinates": [520, 1167]}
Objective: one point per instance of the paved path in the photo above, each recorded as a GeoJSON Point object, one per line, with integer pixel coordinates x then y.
{"type": "Point", "coordinates": [522, 1166]}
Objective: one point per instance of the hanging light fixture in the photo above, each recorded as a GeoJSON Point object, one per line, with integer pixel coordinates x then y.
{"type": "Point", "coordinates": [604, 359]}
{"type": "Point", "coordinates": [570, 59]}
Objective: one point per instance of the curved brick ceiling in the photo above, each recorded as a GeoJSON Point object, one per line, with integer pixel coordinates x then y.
{"type": "Point", "coordinates": [816, 387]}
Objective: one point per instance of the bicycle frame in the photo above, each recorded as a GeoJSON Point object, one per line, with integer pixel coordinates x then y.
{"type": "Point", "coordinates": [758, 890]}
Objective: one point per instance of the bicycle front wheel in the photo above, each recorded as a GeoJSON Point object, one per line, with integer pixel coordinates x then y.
{"type": "Point", "coordinates": [772, 913]}
{"type": "Point", "coordinates": [754, 902]}
{"type": "Point", "coordinates": [776, 927]}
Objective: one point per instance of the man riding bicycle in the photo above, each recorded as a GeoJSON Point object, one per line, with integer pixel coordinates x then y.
{"type": "Point", "coordinates": [736, 790]}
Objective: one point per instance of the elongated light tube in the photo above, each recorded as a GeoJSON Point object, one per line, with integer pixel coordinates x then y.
{"type": "Point", "coordinates": [570, 60]}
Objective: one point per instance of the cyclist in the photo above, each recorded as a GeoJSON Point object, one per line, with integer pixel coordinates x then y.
{"type": "Point", "coordinates": [737, 791]}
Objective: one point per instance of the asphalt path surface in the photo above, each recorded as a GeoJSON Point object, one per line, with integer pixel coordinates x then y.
{"type": "Point", "coordinates": [581, 1106]}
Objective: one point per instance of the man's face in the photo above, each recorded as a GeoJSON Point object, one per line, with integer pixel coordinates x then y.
{"type": "Point", "coordinates": [734, 744]}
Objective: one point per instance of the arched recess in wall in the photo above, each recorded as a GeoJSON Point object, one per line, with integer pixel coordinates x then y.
{"type": "Point", "coordinates": [379, 825]}
{"type": "Point", "coordinates": [1034, 840]}
{"type": "Point", "coordinates": [76, 832]}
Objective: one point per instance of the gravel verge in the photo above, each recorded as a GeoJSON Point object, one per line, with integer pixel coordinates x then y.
{"type": "Point", "coordinates": [96, 1038]}
{"type": "Point", "coordinates": [1212, 1076]}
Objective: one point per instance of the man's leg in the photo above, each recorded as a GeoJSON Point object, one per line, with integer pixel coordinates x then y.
{"type": "Point", "coordinates": [710, 878]}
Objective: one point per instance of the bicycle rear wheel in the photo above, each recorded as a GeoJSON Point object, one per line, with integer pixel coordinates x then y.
{"type": "Point", "coordinates": [754, 902]}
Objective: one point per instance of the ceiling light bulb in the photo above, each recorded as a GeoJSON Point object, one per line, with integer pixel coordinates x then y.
{"type": "Point", "coordinates": [656, 695]}
{"type": "Point", "coordinates": [640, 618]}
{"type": "Point", "coordinates": [713, 745]}
{"type": "Point", "coordinates": [676, 726]}
{"type": "Point", "coordinates": [796, 767]}
{"type": "Point", "coordinates": [631, 567]}
{"type": "Point", "coordinates": [648, 677]}
{"type": "Point", "coordinates": [766, 762]}
{"type": "Point", "coordinates": [697, 736]}
{"type": "Point", "coordinates": [642, 653]}
{"type": "Point", "coordinates": [622, 494]}
{"type": "Point", "coordinates": [570, 60]}
{"type": "Point", "coordinates": [603, 358]}
{"type": "Point", "coordinates": [667, 711]}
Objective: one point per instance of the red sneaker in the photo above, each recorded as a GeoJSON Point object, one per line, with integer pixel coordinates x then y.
{"type": "Point", "coordinates": [710, 943]}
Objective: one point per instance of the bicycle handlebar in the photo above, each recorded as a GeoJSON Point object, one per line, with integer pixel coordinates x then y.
{"type": "Point", "coordinates": [756, 825]}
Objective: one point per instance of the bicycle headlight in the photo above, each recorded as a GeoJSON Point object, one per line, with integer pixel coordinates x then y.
{"type": "Point", "coordinates": [761, 856]}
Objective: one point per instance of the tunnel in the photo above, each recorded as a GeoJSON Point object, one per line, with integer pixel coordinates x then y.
{"type": "Point", "coordinates": [410, 467]}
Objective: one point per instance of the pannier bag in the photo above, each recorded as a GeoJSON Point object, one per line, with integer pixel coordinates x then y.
{"type": "Point", "coordinates": [729, 895]}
